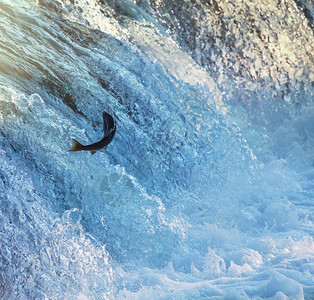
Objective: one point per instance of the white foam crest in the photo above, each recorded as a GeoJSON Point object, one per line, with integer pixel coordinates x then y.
{"type": "Point", "coordinates": [91, 14]}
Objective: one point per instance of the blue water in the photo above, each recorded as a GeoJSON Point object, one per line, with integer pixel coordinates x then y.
{"type": "Point", "coordinates": [206, 191]}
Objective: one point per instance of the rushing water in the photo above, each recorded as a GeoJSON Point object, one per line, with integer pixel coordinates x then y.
{"type": "Point", "coordinates": [206, 190]}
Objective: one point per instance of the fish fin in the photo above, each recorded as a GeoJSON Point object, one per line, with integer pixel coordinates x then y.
{"type": "Point", "coordinates": [76, 146]}
{"type": "Point", "coordinates": [93, 152]}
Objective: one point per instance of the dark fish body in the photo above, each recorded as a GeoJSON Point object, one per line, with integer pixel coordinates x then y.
{"type": "Point", "coordinates": [109, 132]}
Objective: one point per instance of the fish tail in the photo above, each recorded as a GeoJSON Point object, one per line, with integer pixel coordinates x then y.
{"type": "Point", "coordinates": [76, 146]}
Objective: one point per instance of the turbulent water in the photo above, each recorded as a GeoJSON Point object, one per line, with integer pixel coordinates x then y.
{"type": "Point", "coordinates": [206, 191]}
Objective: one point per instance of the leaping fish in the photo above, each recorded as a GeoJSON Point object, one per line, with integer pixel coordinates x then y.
{"type": "Point", "coordinates": [109, 132]}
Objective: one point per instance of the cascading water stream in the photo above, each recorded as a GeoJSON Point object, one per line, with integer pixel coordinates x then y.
{"type": "Point", "coordinates": [206, 190]}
